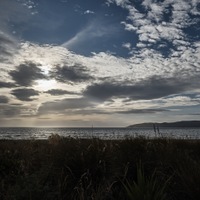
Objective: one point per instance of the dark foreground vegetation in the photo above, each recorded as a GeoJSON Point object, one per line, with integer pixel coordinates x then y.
{"type": "Point", "coordinates": [93, 169]}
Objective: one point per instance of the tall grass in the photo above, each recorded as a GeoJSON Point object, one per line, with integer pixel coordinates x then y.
{"type": "Point", "coordinates": [145, 188]}
{"type": "Point", "coordinates": [66, 168]}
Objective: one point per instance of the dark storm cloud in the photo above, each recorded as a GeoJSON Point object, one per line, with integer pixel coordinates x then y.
{"type": "Point", "coordinates": [152, 88]}
{"type": "Point", "coordinates": [3, 99]}
{"type": "Point", "coordinates": [71, 74]}
{"type": "Point", "coordinates": [63, 105]}
{"type": "Point", "coordinates": [56, 92]}
{"type": "Point", "coordinates": [26, 74]}
{"type": "Point", "coordinates": [6, 84]}
{"type": "Point", "coordinates": [24, 94]}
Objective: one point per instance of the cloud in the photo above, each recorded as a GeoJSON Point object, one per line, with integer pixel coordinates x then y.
{"type": "Point", "coordinates": [7, 84]}
{"type": "Point", "coordinates": [24, 94]}
{"type": "Point", "coordinates": [141, 65]}
{"type": "Point", "coordinates": [178, 100]}
{"type": "Point", "coordinates": [152, 88]}
{"type": "Point", "coordinates": [57, 92]}
{"type": "Point", "coordinates": [16, 110]}
{"type": "Point", "coordinates": [16, 11]}
{"type": "Point", "coordinates": [127, 45]}
{"type": "Point", "coordinates": [62, 106]}
{"type": "Point", "coordinates": [26, 74]}
{"type": "Point", "coordinates": [3, 99]}
{"type": "Point", "coordinates": [9, 111]}
{"type": "Point", "coordinates": [89, 12]}
{"type": "Point", "coordinates": [142, 111]}
{"type": "Point", "coordinates": [44, 53]}
{"type": "Point", "coordinates": [71, 74]}
{"type": "Point", "coordinates": [162, 67]}
{"type": "Point", "coordinates": [7, 47]}
{"type": "Point", "coordinates": [117, 111]}
{"type": "Point", "coordinates": [164, 20]}
{"type": "Point", "coordinates": [94, 30]}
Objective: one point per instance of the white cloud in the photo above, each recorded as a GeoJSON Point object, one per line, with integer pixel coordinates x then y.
{"type": "Point", "coordinates": [92, 31]}
{"type": "Point", "coordinates": [129, 27]}
{"type": "Point", "coordinates": [183, 60]}
{"type": "Point", "coordinates": [89, 12]}
{"type": "Point", "coordinates": [151, 27]}
{"type": "Point", "coordinates": [140, 45]}
{"type": "Point", "coordinates": [178, 101]}
{"type": "Point", "coordinates": [144, 64]}
{"type": "Point", "coordinates": [127, 45]}
{"type": "Point", "coordinates": [104, 66]}
{"type": "Point", "coordinates": [118, 2]}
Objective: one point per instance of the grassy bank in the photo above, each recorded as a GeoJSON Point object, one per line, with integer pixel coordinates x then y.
{"type": "Point", "coordinates": [97, 169]}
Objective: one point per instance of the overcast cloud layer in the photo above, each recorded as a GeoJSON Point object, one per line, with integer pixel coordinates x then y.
{"type": "Point", "coordinates": [107, 63]}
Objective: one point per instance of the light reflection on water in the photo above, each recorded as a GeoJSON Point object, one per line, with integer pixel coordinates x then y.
{"type": "Point", "coordinates": [103, 133]}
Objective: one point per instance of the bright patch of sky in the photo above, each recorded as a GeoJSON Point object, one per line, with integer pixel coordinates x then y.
{"type": "Point", "coordinates": [70, 62]}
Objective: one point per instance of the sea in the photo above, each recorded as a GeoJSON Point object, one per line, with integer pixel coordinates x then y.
{"type": "Point", "coordinates": [43, 133]}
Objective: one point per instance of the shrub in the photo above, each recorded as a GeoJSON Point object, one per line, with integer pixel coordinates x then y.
{"type": "Point", "coordinates": [145, 188]}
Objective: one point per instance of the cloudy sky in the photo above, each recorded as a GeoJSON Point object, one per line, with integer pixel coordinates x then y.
{"type": "Point", "coordinates": [107, 63]}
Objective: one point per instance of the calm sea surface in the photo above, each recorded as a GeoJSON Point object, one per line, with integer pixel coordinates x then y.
{"type": "Point", "coordinates": [103, 133]}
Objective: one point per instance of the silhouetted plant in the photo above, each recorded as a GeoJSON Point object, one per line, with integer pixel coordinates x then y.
{"type": "Point", "coordinates": [145, 188]}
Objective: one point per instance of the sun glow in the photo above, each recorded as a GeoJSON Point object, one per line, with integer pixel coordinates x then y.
{"type": "Point", "coordinates": [44, 85]}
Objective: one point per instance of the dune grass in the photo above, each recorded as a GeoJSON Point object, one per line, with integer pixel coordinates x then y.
{"type": "Point", "coordinates": [84, 169]}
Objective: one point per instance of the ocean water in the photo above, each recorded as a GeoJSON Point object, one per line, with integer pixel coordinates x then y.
{"type": "Point", "coordinates": [102, 133]}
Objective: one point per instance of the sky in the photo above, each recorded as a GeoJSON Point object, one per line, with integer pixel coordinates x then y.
{"type": "Point", "coordinates": [101, 63]}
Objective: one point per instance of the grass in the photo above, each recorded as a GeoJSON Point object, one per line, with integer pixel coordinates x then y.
{"type": "Point", "coordinates": [148, 188]}
{"type": "Point", "coordinates": [84, 169]}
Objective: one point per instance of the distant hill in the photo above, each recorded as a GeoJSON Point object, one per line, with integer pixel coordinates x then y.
{"type": "Point", "coordinates": [181, 124]}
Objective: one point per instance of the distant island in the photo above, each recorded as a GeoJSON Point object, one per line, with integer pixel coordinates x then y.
{"type": "Point", "coordinates": [179, 124]}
